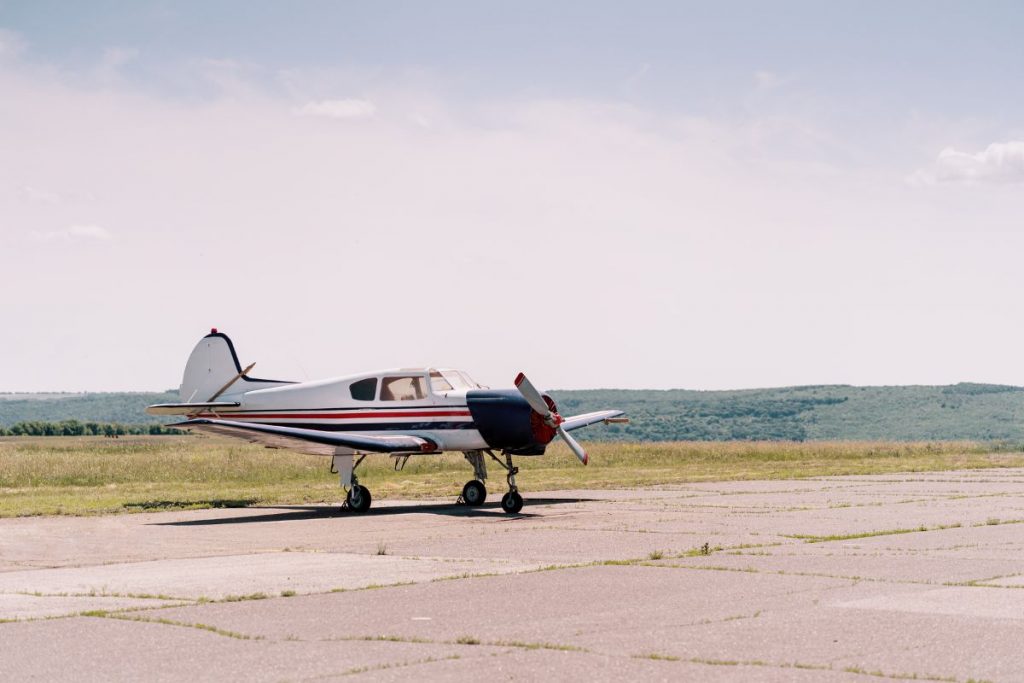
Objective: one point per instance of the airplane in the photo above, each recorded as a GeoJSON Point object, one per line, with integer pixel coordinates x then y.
{"type": "Point", "coordinates": [400, 412]}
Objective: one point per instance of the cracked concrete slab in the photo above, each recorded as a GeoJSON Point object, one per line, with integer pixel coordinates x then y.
{"type": "Point", "coordinates": [710, 581]}
{"type": "Point", "coordinates": [236, 575]}
{"type": "Point", "coordinates": [22, 606]}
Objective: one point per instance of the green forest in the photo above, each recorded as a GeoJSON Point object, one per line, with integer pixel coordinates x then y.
{"type": "Point", "coordinates": [977, 412]}
{"type": "Point", "coordinates": [811, 413]}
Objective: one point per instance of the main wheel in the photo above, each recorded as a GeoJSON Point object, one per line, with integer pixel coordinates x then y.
{"type": "Point", "coordinates": [359, 498]}
{"type": "Point", "coordinates": [512, 502]}
{"type": "Point", "coordinates": [474, 493]}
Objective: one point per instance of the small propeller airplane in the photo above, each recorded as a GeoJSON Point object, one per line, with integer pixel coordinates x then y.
{"type": "Point", "coordinates": [403, 412]}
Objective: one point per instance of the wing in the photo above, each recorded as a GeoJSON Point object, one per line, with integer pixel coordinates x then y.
{"type": "Point", "coordinates": [577, 421]}
{"type": "Point", "coordinates": [312, 441]}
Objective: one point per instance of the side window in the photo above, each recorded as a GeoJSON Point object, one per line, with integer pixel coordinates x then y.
{"type": "Point", "coordinates": [405, 388]}
{"type": "Point", "coordinates": [364, 389]}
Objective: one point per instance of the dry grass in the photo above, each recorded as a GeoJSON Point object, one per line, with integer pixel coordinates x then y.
{"type": "Point", "coordinates": [89, 475]}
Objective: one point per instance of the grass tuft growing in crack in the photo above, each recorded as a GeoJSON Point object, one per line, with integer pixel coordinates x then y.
{"type": "Point", "coordinates": [171, 622]}
{"type": "Point", "coordinates": [243, 598]}
{"type": "Point", "coordinates": [811, 538]}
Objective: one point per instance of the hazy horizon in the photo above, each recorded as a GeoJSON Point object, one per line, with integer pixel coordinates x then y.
{"type": "Point", "coordinates": [664, 194]}
{"type": "Point", "coordinates": [788, 386]}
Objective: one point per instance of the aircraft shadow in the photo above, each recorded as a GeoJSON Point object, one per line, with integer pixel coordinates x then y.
{"type": "Point", "coordinates": [292, 513]}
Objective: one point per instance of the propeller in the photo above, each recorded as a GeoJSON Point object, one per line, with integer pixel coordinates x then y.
{"type": "Point", "coordinates": [553, 419]}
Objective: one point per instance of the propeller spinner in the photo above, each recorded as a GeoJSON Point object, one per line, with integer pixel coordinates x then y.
{"type": "Point", "coordinates": [551, 418]}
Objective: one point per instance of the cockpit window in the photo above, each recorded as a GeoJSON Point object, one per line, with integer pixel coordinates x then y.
{"type": "Point", "coordinates": [364, 389]}
{"type": "Point", "coordinates": [438, 383]}
{"type": "Point", "coordinates": [404, 388]}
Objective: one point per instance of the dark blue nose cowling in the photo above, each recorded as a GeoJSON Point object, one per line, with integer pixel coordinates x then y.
{"type": "Point", "coordinates": [506, 421]}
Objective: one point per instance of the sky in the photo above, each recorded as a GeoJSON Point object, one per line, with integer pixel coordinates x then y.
{"type": "Point", "coordinates": [603, 195]}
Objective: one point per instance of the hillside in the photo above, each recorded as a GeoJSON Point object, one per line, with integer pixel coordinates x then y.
{"type": "Point", "coordinates": [125, 408]}
{"type": "Point", "coordinates": [961, 411]}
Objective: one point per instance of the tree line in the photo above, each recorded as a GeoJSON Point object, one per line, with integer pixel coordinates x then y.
{"type": "Point", "coordinates": [78, 428]}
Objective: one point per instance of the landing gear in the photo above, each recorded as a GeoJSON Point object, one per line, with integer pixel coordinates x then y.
{"type": "Point", "coordinates": [512, 502]}
{"type": "Point", "coordinates": [474, 493]}
{"type": "Point", "coordinates": [358, 498]}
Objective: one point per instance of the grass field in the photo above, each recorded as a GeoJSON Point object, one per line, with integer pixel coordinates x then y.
{"type": "Point", "coordinates": [95, 475]}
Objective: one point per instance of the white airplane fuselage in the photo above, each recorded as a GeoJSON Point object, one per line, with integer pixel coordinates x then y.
{"type": "Point", "coordinates": [441, 416]}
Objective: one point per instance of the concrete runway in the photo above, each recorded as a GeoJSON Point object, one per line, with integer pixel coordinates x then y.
{"type": "Point", "coordinates": [775, 581]}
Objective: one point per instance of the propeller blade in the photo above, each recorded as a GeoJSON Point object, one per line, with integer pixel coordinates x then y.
{"type": "Point", "coordinates": [532, 396]}
{"type": "Point", "coordinates": [573, 445]}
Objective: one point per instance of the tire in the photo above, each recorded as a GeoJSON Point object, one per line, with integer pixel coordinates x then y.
{"type": "Point", "coordinates": [474, 493]}
{"type": "Point", "coordinates": [359, 498]}
{"type": "Point", "coordinates": [512, 502]}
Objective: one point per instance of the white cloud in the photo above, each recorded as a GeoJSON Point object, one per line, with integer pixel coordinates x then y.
{"type": "Point", "coordinates": [75, 233]}
{"type": "Point", "coordinates": [112, 62]}
{"type": "Point", "coordinates": [11, 44]}
{"type": "Point", "coordinates": [92, 232]}
{"type": "Point", "coordinates": [1000, 162]}
{"type": "Point", "coordinates": [38, 195]}
{"type": "Point", "coordinates": [339, 109]}
{"type": "Point", "coordinates": [769, 80]}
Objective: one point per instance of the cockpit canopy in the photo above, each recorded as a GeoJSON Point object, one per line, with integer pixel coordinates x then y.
{"type": "Point", "coordinates": [411, 385]}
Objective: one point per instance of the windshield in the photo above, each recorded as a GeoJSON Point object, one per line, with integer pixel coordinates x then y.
{"type": "Point", "coordinates": [442, 381]}
{"type": "Point", "coordinates": [439, 383]}
{"type": "Point", "coordinates": [470, 382]}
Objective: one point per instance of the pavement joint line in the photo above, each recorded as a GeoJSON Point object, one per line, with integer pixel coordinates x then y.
{"type": "Point", "coordinates": [169, 622]}
{"type": "Point", "coordinates": [811, 538]}
{"type": "Point", "coordinates": [463, 640]}
{"type": "Point", "coordinates": [840, 506]}
{"type": "Point", "coordinates": [997, 522]}
{"type": "Point", "coordinates": [382, 667]}
{"type": "Point", "coordinates": [985, 581]}
{"type": "Point", "coordinates": [93, 613]}
{"type": "Point", "coordinates": [973, 583]}
{"type": "Point", "coordinates": [104, 594]}
{"type": "Point", "coordinates": [793, 665]}
{"type": "Point", "coordinates": [782, 572]}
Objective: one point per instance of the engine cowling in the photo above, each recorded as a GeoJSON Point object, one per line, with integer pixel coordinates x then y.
{"type": "Point", "coordinates": [507, 422]}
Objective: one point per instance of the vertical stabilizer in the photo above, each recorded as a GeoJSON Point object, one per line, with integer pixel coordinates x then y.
{"type": "Point", "coordinates": [213, 370]}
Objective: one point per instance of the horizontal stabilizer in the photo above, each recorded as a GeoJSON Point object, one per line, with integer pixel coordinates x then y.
{"type": "Point", "coordinates": [577, 421]}
{"type": "Point", "coordinates": [313, 441]}
{"type": "Point", "coordinates": [188, 408]}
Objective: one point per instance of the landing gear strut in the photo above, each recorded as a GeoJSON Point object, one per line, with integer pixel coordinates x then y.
{"type": "Point", "coordinates": [474, 493]}
{"type": "Point", "coordinates": [511, 502]}
{"type": "Point", "coordinates": [357, 497]}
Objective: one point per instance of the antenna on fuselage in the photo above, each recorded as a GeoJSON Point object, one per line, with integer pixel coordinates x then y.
{"type": "Point", "coordinates": [230, 382]}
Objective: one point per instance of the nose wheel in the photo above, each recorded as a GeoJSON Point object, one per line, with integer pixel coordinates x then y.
{"type": "Point", "coordinates": [512, 502]}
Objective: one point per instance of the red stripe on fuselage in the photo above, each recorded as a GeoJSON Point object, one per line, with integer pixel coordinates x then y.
{"type": "Point", "coordinates": [342, 416]}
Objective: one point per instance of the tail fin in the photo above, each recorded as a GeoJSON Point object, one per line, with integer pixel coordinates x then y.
{"type": "Point", "coordinates": [213, 370]}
